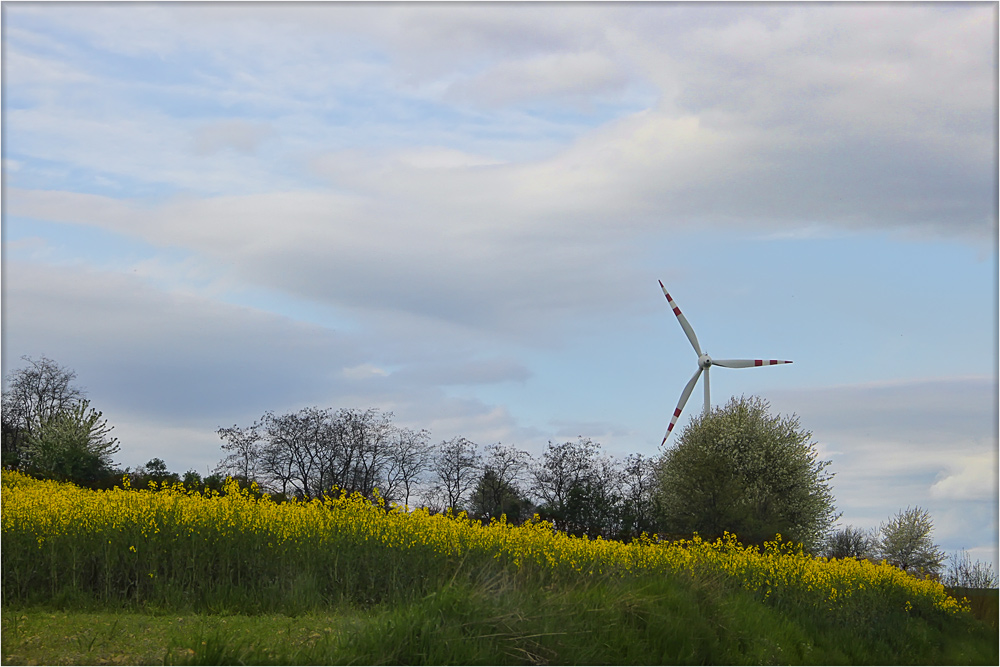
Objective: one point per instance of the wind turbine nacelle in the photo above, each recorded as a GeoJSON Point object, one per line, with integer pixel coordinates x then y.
{"type": "Point", "coordinates": [704, 361]}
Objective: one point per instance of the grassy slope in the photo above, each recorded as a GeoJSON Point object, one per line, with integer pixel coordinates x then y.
{"type": "Point", "coordinates": [231, 581]}
{"type": "Point", "coordinates": [498, 621]}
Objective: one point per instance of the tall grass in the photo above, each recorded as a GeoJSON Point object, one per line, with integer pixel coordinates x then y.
{"type": "Point", "coordinates": [169, 546]}
{"type": "Point", "coordinates": [506, 593]}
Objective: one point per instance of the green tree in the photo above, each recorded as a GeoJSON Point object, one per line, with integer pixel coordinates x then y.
{"type": "Point", "coordinates": [905, 541]}
{"type": "Point", "coordinates": [498, 490]}
{"type": "Point", "coordinates": [493, 497]}
{"type": "Point", "coordinates": [73, 444]}
{"type": "Point", "coordinates": [740, 469]}
{"type": "Point", "coordinates": [192, 480]}
{"type": "Point", "coordinates": [639, 486]}
{"type": "Point", "coordinates": [581, 490]}
{"type": "Point", "coordinates": [154, 470]}
{"type": "Point", "coordinates": [34, 395]}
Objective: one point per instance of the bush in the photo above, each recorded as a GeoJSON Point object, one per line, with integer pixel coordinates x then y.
{"type": "Point", "coordinates": [741, 470]}
{"type": "Point", "coordinates": [905, 541]}
{"type": "Point", "coordinates": [851, 542]}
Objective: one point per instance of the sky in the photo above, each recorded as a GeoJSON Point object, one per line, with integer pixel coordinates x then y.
{"type": "Point", "coordinates": [458, 213]}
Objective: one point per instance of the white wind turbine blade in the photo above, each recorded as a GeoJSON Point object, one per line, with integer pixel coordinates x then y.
{"type": "Point", "coordinates": [747, 363]}
{"type": "Point", "coordinates": [680, 404]}
{"type": "Point", "coordinates": [683, 320]}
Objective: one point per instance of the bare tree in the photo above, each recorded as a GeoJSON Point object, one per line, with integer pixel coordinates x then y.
{"type": "Point", "coordinates": [456, 469]}
{"type": "Point", "coordinates": [363, 444]}
{"type": "Point", "coordinates": [409, 459]}
{"type": "Point", "coordinates": [563, 467]}
{"type": "Point", "coordinates": [243, 443]}
{"type": "Point", "coordinates": [296, 452]}
{"type": "Point", "coordinates": [596, 502]}
{"type": "Point", "coordinates": [963, 573]}
{"type": "Point", "coordinates": [310, 452]}
{"type": "Point", "coordinates": [34, 395]}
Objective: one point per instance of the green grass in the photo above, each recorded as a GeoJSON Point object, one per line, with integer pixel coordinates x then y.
{"type": "Point", "coordinates": [143, 578]}
{"type": "Point", "coordinates": [500, 619]}
{"type": "Point", "coordinates": [983, 602]}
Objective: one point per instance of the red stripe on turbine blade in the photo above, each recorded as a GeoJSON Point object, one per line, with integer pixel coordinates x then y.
{"type": "Point", "coordinates": [758, 362]}
{"type": "Point", "coordinates": [677, 311]}
{"type": "Point", "coordinates": [677, 413]}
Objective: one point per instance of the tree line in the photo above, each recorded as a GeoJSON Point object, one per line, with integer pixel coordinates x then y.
{"type": "Point", "coordinates": [739, 470]}
{"type": "Point", "coordinates": [304, 454]}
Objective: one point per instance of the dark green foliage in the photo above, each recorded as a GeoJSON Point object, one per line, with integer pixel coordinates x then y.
{"type": "Point", "coordinates": [851, 542]}
{"type": "Point", "coordinates": [499, 489]}
{"type": "Point", "coordinates": [741, 470]}
{"type": "Point", "coordinates": [983, 602]}
{"type": "Point", "coordinates": [494, 497]}
{"type": "Point", "coordinates": [585, 492]}
{"type": "Point", "coordinates": [580, 489]}
{"type": "Point", "coordinates": [637, 512]}
{"type": "Point", "coordinates": [156, 471]}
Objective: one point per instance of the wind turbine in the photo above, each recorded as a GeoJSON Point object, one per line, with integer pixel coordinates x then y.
{"type": "Point", "coordinates": [704, 363]}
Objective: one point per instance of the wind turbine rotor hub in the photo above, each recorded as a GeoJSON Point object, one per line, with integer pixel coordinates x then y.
{"type": "Point", "coordinates": [704, 361]}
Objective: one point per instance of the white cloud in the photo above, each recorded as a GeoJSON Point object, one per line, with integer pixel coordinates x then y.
{"type": "Point", "coordinates": [439, 157]}
{"type": "Point", "coordinates": [745, 131]}
{"type": "Point", "coordinates": [363, 371]}
{"type": "Point", "coordinates": [37, 72]}
{"type": "Point", "coordinates": [169, 368]}
{"type": "Point", "coordinates": [573, 77]}
{"type": "Point", "coordinates": [193, 446]}
{"type": "Point", "coordinates": [467, 372]}
{"type": "Point", "coordinates": [930, 443]}
{"type": "Point", "coordinates": [154, 353]}
{"type": "Point", "coordinates": [968, 478]}
{"type": "Point", "coordinates": [235, 134]}
{"type": "Point", "coordinates": [371, 253]}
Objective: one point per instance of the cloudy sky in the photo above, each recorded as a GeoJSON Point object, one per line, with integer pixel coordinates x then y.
{"type": "Point", "coordinates": [459, 213]}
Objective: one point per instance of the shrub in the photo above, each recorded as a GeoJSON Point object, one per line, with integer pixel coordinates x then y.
{"type": "Point", "coordinates": [744, 471]}
{"type": "Point", "coordinates": [905, 541]}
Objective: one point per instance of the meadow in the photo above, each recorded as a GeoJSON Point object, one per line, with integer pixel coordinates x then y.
{"type": "Point", "coordinates": [234, 578]}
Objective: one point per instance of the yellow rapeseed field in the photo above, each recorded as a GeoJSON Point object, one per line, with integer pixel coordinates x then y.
{"type": "Point", "coordinates": [125, 544]}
